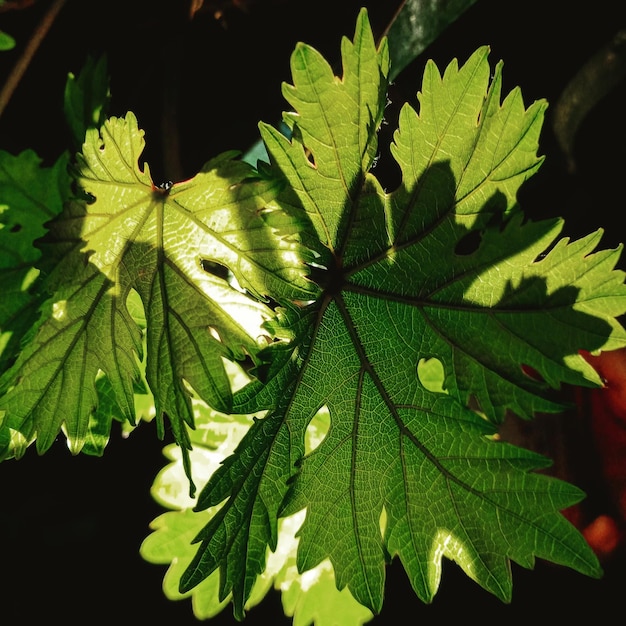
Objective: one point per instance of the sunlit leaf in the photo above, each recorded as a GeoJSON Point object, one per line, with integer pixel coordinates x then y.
{"type": "Point", "coordinates": [167, 245]}
{"type": "Point", "coordinates": [434, 294]}
{"type": "Point", "coordinates": [332, 358]}
{"type": "Point", "coordinates": [311, 597]}
{"type": "Point", "coordinates": [169, 544]}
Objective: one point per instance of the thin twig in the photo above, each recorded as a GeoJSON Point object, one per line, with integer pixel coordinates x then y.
{"type": "Point", "coordinates": [23, 62]}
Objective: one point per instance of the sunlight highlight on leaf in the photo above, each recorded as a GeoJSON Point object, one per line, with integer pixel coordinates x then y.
{"type": "Point", "coordinates": [132, 267]}
{"type": "Point", "coordinates": [310, 597]}
{"type": "Point", "coordinates": [333, 358]}
{"type": "Point", "coordinates": [433, 294]}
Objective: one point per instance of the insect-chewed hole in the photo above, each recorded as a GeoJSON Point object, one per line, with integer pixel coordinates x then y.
{"type": "Point", "coordinates": [216, 269]}
{"type": "Point", "coordinates": [214, 333]}
{"type": "Point", "coordinates": [531, 372]}
{"type": "Point", "coordinates": [382, 522]}
{"type": "Point", "coordinates": [317, 430]}
{"type": "Point", "coordinates": [310, 157]}
{"type": "Point", "coordinates": [135, 307]}
{"type": "Point", "coordinates": [468, 244]}
{"type": "Point", "coordinates": [431, 374]}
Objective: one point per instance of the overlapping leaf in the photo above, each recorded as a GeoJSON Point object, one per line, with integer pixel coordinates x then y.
{"type": "Point", "coordinates": [86, 98]}
{"type": "Point", "coordinates": [441, 270]}
{"type": "Point", "coordinates": [130, 236]}
{"type": "Point", "coordinates": [30, 196]}
{"type": "Point", "coordinates": [310, 599]}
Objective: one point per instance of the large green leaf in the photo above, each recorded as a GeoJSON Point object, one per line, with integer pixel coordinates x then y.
{"type": "Point", "coordinates": [171, 246]}
{"type": "Point", "coordinates": [433, 295]}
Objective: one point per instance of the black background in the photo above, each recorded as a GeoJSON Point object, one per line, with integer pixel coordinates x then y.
{"type": "Point", "coordinates": [70, 527]}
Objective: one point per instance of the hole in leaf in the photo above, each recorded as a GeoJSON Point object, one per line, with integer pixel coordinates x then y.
{"type": "Point", "coordinates": [135, 307]}
{"type": "Point", "coordinates": [29, 279]}
{"type": "Point", "coordinates": [237, 373]}
{"type": "Point", "coordinates": [382, 522]}
{"type": "Point", "coordinates": [16, 228]}
{"type": "Point", "coordinates": [317, 430]}
{"type": "Point", "coordinates": [531, 372]}
{"type": "Point", "coordinates": [431, 374]}
{"type": "Point", "coordinates": [216, 269]}
{"type": "Point", "coordinates": [213, 332]}
{"type": "Point", "coordinates": [468, 244]}
{"type": "Point", "coordinates": [310, 157]}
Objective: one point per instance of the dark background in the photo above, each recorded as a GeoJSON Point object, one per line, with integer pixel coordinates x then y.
{"type": "Point", "coordinates": [70, 528]}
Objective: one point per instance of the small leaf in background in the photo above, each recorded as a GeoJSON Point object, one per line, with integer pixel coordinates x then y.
{"type": "Point", "coordinates": [6, 42]}
{"type": "Point", "coordinates": [86, 98]}
{"type": "Point", "coordinates": [593, 82]}
{"type": "Point", "coordinates": [310, 597]}
{"type": "Point", "coordinates": [417, 24]}
{"type": "Point", "coordinates": [169, 544]}
{"type": "Point", "coordinates": [215, 436]}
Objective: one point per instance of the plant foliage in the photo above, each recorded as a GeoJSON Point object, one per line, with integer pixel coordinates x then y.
{"type": "Point", "coordinates": [408, 320]}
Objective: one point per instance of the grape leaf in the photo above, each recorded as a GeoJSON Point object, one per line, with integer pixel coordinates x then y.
{"type": "Point", "coordinates": [86, 98]}
{"type": "Point", "coordinates": [441, 271]}
{"type": "Point", "coordinates": [30, 196]}
{"type": "Point", "coordinates": [169, 246]}
{"type": "Point", "coordinates": [214, 438]}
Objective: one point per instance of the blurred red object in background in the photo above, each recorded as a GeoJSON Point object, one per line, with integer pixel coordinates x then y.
{"type": "Point", "coordinates": [607, 415]}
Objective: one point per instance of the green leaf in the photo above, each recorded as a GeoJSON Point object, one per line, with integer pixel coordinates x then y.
{"type": "Point", "coordinates": [214, 438]}
{"type": "Point", "coordinates": [443, 271]}
{"type": "Point", "coordinates": [164, 244]}
{"type": "Point", "coordinates": [311, 598]}
{"type": "Point", "coordinates": [30, 196]}
{"type": "Point", "coordinates": [337, 120]}
{"type": "Point", "coordinates": [7, 42]}
{"type": "Point", "coordinates": [170, 543]}
{"type": "Point", "coordinates": [86, 98]}
{"type": "Point", "coordinates": [417, 24]}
